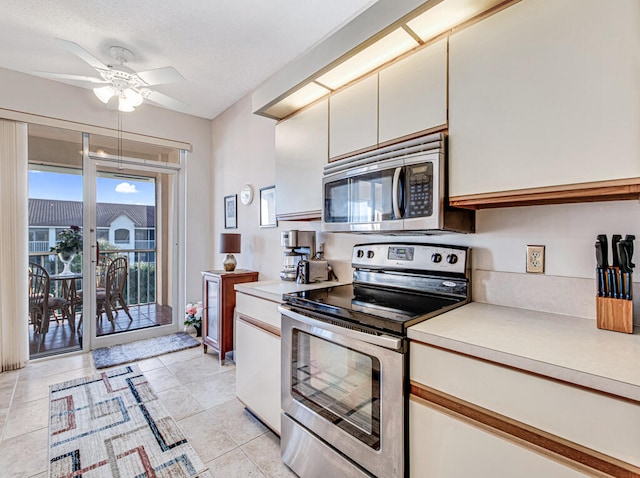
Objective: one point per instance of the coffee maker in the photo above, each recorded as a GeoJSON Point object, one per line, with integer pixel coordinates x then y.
{"type": "Point", "coordinates": [298, 245]}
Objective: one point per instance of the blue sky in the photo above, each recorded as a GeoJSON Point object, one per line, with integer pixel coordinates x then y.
{"type": "Point", "coordinates": [50, 185]}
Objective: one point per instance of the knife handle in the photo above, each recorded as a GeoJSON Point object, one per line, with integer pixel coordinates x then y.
{"type": "Point", "coordinates": [602, 240]}
{"type": "Point", "coordinates": [601, 281]}
{"type": "Point", "coordinates": [629, 238]}
{"type": "Point", "coordinates": [612, 292]}
{"type": "Point", "coordinates": [615, 258]}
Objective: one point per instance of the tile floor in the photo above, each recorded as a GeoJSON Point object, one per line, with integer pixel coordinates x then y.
{"type": "Point", "coordinates": [199, 393]}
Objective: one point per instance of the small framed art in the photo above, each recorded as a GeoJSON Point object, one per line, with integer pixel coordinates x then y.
{"type": "Point", "coordinates": [268, 207]}
{"type": "Point", "coordinates": [231, 211]}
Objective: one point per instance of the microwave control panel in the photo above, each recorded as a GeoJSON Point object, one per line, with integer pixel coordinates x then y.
{"type": "Point", "coordinates": [419, 190]}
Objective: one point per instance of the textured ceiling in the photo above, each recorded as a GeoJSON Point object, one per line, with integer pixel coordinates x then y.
{"type": "Point", "coordinates": [224, 49]}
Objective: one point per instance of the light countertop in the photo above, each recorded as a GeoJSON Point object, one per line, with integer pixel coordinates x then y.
{"type": "Point", "coordinates": [566, 348]}
{"type": "Point", "coordinates": [274, 289]}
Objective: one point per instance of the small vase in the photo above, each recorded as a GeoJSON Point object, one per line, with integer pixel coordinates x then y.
{"type": "Point", "coordinates": [198, 330]}
{"type": "Point", "coordinates": [66, 257]}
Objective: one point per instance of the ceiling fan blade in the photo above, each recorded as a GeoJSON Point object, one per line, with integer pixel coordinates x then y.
{"type": "Point", "coordinates": [167, 101]}
{"type": "Point", "coordinates": [64, 76]}
{"type": "Point", "coordinates": [159, 76]}
{"type": "Point", "coordinates": [82, 54]}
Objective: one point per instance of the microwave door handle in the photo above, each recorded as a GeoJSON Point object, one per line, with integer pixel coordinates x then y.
{"type": "Point", "coordinates": [395, 191]}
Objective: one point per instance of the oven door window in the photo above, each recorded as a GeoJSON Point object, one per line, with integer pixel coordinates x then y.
{"type": "Point", "coordinates": [338, 383]}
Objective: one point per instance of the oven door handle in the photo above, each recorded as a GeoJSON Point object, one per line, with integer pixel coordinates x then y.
{"type": "Point", "coordinates": [395, 189]}
{"type": "Point", "coordinates": [386, 341]}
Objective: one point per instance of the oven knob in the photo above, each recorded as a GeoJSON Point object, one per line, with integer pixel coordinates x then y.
{"type": "Point", "coordinates": [435, 257]}
{"type": "Point", "coordinates": [360, 253]}
{"type": "Point", "coordinates": [452, 258]}
{"type": "Point", "coordinates": [370, 254]}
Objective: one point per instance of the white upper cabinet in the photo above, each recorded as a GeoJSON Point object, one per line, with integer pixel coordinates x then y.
{"type": "Point", "coordinates": [545, 93]}
{"type": "Point", "coordinates": [353, 124]}
{"type": "Point", "coordinates": [413, 93]}
{"type": "Point", "coordinates": [301, 152]}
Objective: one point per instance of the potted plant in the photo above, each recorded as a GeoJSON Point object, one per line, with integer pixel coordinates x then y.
{"type": "Point", "coordinates": [193, 316]}
{"type": "Point", "coordinates": [69, 243]}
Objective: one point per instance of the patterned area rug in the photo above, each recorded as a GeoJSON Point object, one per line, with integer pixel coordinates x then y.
{"type": "Point", "coordinates": [113, 425]}
{"type": "Point", "coordinates": [118, 354]}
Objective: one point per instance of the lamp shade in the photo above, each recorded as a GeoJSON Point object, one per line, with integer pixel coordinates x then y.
{"type": "Point", "coordinates": [230, 243]}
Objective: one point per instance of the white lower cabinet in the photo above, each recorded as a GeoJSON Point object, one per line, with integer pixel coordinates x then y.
{"type": "Point", "coordinates": [472, 417]}
{"type": "Point", "coordinates": [446, 447]}
{"type": "Point", "coordinates": [257, 356]}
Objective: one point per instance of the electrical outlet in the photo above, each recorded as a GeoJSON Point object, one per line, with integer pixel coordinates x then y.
{"type": "Point", "coordinates": [535, 259]}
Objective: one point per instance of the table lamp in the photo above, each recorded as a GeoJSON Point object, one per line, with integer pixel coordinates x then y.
{"type": "Point", "coordinates": [230, 245]}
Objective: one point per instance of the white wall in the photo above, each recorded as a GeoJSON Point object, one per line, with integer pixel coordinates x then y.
{"type": "Point", "coordinates": [243, 146]}
{"type": "Point", "coordinates": [25, 93]}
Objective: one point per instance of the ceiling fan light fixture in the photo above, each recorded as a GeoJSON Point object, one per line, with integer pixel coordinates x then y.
{"type": "Point", "coordinates": [133, 97]}
{"type": "Point", "coordinates": [124, 104]}
{"type": "Point", "coordinates": [104, 93]}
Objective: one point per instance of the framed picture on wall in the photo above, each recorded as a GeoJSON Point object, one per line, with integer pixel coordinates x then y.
{"type": "Point", "coordinates": [231, 211]}
{"type": "Point", "coordinates": [268, 207]}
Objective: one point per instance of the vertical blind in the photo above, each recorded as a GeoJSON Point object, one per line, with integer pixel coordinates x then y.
{"type": "Point", "coordinates": [14, 333]}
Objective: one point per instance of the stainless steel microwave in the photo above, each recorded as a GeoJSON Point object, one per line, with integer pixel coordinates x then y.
{"type": "Point", "coordinates": [398, 189]}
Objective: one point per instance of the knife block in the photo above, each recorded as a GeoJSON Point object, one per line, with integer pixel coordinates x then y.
{"type": "Point", "coordinates": [614, 314]}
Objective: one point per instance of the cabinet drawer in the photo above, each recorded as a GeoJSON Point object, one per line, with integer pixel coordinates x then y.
{"type": "Point", "coordinates": [602, 423]}
{"type": "Point", "coordinates": [441, 445]}
{"type": "Point", "coordinates": [260, 309]}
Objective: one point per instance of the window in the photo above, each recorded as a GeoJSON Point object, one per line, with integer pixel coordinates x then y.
{"type": "Point", "coordinates": [121, 236]}
{"type": "Point", "coordinates": [38, 234]}
{"type": "Point", "coordinates": [102, 234]}
{"type": "Point", "coordinates": [38, 239]}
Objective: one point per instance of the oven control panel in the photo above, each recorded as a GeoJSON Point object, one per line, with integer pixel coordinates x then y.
{"type": "Point", "coordinates": [420, 257]}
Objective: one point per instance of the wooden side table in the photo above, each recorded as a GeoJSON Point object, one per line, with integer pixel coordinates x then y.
{"type": "Point", "coordinates": [219, 302]}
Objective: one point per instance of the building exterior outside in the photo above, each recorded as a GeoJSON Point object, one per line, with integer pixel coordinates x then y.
{"type": "Point", "coordinates": [125, 226]}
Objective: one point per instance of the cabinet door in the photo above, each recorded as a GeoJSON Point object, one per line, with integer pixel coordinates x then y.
{"type": "Point", "coordinates": [353, 118]}
{"type": "Point", "coordinates": [257, 356]}
{"type": "Point", "coordinates": [441, 445]}
{"type": "Point", "coordinates": [212, 311]}
{"type": "Point", "coordinates": [413, 93]}
{"type": "Point", "coordinates": [301, 152]}
{"type": "Point", "coordinates": [545, 93]}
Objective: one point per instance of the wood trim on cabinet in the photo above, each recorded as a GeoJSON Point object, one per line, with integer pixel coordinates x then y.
{"type": "Point", "coordinates": [613, 190]}
{"type": "Point", "coordinates": [529, 372]}
{"type": "Point", "coordinates": [268, 328]}
{"type": "Point", "coordinates": [300, 216]}
{"type": "Point", "coordinates": [558, 448]}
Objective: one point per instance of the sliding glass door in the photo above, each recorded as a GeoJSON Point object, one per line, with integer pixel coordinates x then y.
{"type": "Point", "coordinates": [55, 235]}
{"type": "Point", "coordinates": [95, 201]}
{"type": "Point", "coordinates": [131, 209]}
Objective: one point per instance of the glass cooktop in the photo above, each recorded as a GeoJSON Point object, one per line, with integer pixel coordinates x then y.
{"type": "Point", "coordinates": [389, 310]}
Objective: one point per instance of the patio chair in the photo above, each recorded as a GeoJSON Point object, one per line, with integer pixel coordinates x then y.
{"type": "Point", "coordinates": [101, 271]}
{"type": "Point", "coordinates": [116, 279]}
{"type": "Point", "coordinates": [41, 302]}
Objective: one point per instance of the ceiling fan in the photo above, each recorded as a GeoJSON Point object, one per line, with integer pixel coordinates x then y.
{"type": "Point", "coordinates": [128, 86]}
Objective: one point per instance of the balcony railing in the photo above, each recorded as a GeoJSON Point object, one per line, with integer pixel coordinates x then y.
{"type": "Point", "coordinates": [43, 246]}
{"type": "Point", "coordinates": [145, 244]}
{"type": "Point", "coordinates": [38, 246]}
{"type": "Point", "coordinates": [141, 277]}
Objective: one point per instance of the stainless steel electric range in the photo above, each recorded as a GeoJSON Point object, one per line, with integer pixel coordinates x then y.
{"type": "Point", "coordinates": [345, 358]}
